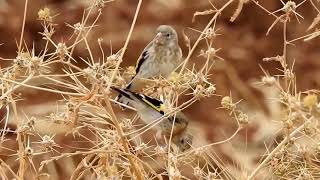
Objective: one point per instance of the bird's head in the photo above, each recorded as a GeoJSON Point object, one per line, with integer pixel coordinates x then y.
{"type": "Point", "coordinates": [184, 142]}
{"type": "Point", "coordinates": [165, 35]}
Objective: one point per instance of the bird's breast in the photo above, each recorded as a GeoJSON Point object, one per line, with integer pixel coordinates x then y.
{"type": "Point", "coordinates": [149, 116]}
{"type": "Point", "coordinates": [167, 61]}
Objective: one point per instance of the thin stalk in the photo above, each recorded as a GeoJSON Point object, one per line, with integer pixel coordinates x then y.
{"type": "Point", "coordinates": [125, 44]}
{"type": "Point", "coordinates": [282, 143]}
{"type": "Point", "coordinates": [23, 25]}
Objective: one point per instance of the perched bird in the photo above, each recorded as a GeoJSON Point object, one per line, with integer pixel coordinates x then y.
{"type": "Point", "coordinates": [150, 109]}
{"type": "Point", "coordinates": [159, 58]}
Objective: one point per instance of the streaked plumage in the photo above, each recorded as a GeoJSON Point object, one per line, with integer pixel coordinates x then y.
{"type": "Point", "coordinates": [159, 58]}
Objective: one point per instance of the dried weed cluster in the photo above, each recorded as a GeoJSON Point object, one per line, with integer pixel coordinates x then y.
{"type": "Point", "coordinates": [113, 147]}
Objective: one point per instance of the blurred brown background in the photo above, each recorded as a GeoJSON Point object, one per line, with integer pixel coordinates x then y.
{"type": "Point", "coordinates": [243, 45]}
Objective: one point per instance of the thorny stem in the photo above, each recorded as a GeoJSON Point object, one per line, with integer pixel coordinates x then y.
{"type": "Point", "coordinates": [76, 172]}
{"type": "Point", "coordinates": [302, 37]}
{"type": "Point", "coordinates": [215, 143]}
{"type": "Point", "coordinates": [45, 89]}
{"type": "Point", "coordinates": [263, 8]}
{"type": "Point", "coordinates": [205, 66]}
{"type": "Point", "coordinates": [285, 43]}
{"type": "Point", "coordinates": [58, 91]}
{"type": "Point", "coordinates": [79, 35]}
{"type": "Point", "coordinates": [202, 34]}
{"type": "Point", "coordinates": [239, 84]}
{"type": "Point", "coordinates": [88, 47]}
{"type": "Point", "coordinates": [224, 141]}
{"type": "Point", "coordinates": [98, 151]}
{"type": "Point", "coordinates": [17, 86]}
{"type": "Point", "coordinates": [78, 40]}
{"type": "Point", "coordinates": [85, 37]}
{"type": "Point", "coordinates": [9, 168]}
{"type": "Point", "coordinates": [125, 44]}
{"type": "Point", "coordinates": [279, 146]}
{"type": "Point", "coordinates": [23, 25]}
{"type": "Point", "coordinates": [5, 124]}
{"type": "Point", "coordinates": [22, 160]}
{"type": "Point", "coordinates": [315, 7]}
{"type": "Point", "coordinates": [284, 55]}
{"type": "Point", "coordinates": [81, 174]}
{"type": "Point", "coordinates": [134, 167]}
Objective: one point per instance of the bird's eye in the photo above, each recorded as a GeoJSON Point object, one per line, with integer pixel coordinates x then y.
{"type": "Point", "coordinates": [182, 141]}
{"type": "Point", "coordinates": [168, 34]}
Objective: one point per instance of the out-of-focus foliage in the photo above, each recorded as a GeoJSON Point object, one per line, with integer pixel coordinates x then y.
{"type": "Point", "coordinates": [242, 44]}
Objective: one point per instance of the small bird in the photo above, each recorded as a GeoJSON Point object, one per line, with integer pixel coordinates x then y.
{"type": "Point", "coordinates": [151, 109]}
{"type": "Point", "coordinates": [159, 58]}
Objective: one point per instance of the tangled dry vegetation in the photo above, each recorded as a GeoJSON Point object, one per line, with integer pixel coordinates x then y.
{"type": "Point", "coordinates": [83, 134]}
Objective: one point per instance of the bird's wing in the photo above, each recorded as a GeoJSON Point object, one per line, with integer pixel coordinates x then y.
{"type": "Point", "coordinates": [122, 92]}
{"type": "Point", "coordinates": [153, 103]}
{"type": "Point", "coordinates": [149, 101]}
{"type": "Point", "coordinates": [144, 56]}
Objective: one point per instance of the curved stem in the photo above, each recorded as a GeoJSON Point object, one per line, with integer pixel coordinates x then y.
{"type": "Point", "coordinates": [283, 142]}
{"type": "Point", "coordinates": [202, 34]}
{"type": "Point", "coordinates": [125, 44]}
{"type": "Point", "coordinates": [23, 25]}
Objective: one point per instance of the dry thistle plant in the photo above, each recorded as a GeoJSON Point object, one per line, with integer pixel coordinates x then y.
{"type": "Point", "coordinates": [108, 143]}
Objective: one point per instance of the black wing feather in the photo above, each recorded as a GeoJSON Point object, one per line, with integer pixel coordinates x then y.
{"type": "Point", "coordinates": [152, 102]}
{"type": "Point", "coordinates": [142, 58]}
{"type": "Point", "coordinates": [155, 102]}
{"type": "Point", "coordinates": [121, 92]}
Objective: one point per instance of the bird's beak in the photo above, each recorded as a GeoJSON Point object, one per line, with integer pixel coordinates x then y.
{"type": "Point", "coordinates": [158, 35]}
{"type": "Point", "coordinates": [158, 38]}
